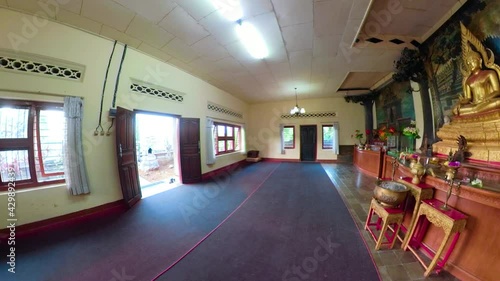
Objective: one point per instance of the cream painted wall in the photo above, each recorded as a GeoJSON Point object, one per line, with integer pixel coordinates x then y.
{"type": "Point", "coordinates": [66, 43]}
{"type": "Point", "coordinates": [263, 130]}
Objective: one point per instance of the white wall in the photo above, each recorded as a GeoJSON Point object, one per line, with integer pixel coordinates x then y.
{"type": "Point", "coordinates": [263, 130]}
{"type": "Point", "coordinates": [66, 43]}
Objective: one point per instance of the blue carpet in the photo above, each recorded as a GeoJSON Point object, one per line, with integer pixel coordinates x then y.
{"type": "Point", "coordinates": [295, 227]}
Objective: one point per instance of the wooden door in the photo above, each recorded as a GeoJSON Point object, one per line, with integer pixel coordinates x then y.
{"type": "Point", "coordinates": [189, 144]}
{"type": "Point", "coordinates": [127, 157]}
{"type": "Point", "coordinates": [308, 143]}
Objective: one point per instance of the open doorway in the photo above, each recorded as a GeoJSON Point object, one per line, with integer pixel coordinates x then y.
{"type": "Point", "coordinates": [157, 152]}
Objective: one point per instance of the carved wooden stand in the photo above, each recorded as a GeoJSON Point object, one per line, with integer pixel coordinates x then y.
{"type": "Point", "coordinates": [451, 221]}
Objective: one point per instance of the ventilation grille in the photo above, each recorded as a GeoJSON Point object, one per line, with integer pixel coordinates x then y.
{"type": "Point", "coordinates": [310, 115]}
{"type": "Point", "coordinates": [148, 90]}
{"type": "Point", "coordinates": [220, 109]}
{"type": "Point", "coordinates": [30, 66]}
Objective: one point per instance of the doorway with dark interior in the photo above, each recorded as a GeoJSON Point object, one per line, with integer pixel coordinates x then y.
{"type": "Point", "coordinates": [308, 138]}
{"type": "Point", "coordinates": [157, 152]}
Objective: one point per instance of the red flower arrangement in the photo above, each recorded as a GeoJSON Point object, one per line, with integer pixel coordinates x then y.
{"type": "Point", "coordinates": [385, 132]}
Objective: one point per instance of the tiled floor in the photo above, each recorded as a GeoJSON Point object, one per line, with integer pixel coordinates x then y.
{"type": "Point", "coordinates": [357, 190]}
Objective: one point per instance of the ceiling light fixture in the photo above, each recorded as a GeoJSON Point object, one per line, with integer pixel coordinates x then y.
{"type": "Point", "coordinates": [229, 9]}
{"type": "Point", "coordinates": [297, 110]}
{"type": "Point", "coordinates": [251, 39]}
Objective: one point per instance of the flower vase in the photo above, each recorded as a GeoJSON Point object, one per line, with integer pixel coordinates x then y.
{"type": "Point", "coordinates": [411, 143]}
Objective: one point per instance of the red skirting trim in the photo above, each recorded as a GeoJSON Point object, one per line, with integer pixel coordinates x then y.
{"type": "Point", "coordinates": [223, 170]}
{"type": "Point", "coordinates": [63, 221]}
{"type": "Point", "coordinates": [297, 160]}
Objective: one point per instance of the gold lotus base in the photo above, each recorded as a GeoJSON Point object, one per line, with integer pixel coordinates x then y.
{"type": "Point", "coordinates": [482, 132]}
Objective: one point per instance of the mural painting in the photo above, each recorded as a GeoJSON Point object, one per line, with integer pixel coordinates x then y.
{"type": "Point", "coordinates": [443, 55]}
{"type": "Point", "coordinates": [395, 108]}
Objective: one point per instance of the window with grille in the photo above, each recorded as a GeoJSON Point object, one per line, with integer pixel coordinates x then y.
{"type": "Point", "coordinates": [227, 138]}
{"type": "Point", "coordinates": [31, 143]}
{"type": "Point", "coordinates": [289, 137]}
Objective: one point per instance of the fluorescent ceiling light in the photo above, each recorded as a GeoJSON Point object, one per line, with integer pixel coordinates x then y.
{"type": "Point", "coordinates": [252, 40]}
{"type": "Point", "coordinates": [230, 9]}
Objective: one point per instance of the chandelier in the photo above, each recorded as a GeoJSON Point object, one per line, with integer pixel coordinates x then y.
{"type": "Point", "coordinates": [297, 110]}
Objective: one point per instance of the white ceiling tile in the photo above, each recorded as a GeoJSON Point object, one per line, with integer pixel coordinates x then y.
{"type": "Point", "coordinates": [271, 33]}
{"type": "Point", "coordinates": [74, 6]}
{"type": "Point", "coordinates": [180, 64]}
{"type": "Point", "coordinates": [119, 36]}
{"type": "Point", "coordinates": [360, 8]}
{"type": "Point", "coordinates": [210, 49]}
{"type": "Point", "coordinates": [155, 52]}
{"type": "Point", "coordinates": [351, 31]}
{"type": "Point", "coordinates": [180, 50]}
{"type": "Point", "coordinates": [300, 65]}
{"type": "Point", "coordinates": [326, 46]}
{"type": "Point", "coordinates": [153, 10]}
{"type": "Point", "coordinates": [231, 64]}
{"type": "Point", "coordinates": [239, 52]}
{"type": "Point", "coordinates": [256, 67]}
{"type": "Point", "coordinates": [221, 75]}
{"type": "Point", "coordinates": [220, 28]}
{"type": "Point", "coordinates": [321, 67]}
{"type": "Point", "coordinates": [148, 32]}
{"type": "Point", "coordinates": [265, 79]}
{"type": "Point", "coordinates": [196, 8]}
{"type": "Point", "coordinates": [281, 71]}
{"type": "Point", "coordinates": [108, 12]}
{"type": "Point", "coordinates": [253, 8]}
{"type": "Point", "coordinates": [204, 65]}
{"type": "Point", "coordinates": [298, 37]}
{"type": "Point", "coordinates": [183, 26]}
{"type": "Point", "coordinates": [33, 7]}
{"type": "Point", "coordinates": [330, 17]}
{"type": "Point", "coordinates": [290, 12]}
{"type": "Point", "coordinates": [79, 21]}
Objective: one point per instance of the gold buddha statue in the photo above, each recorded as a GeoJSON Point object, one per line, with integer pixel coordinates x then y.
{"type": "Point", "coordinates": [481, 86]}
{"type": "Point", "coordinates": [477, 111]}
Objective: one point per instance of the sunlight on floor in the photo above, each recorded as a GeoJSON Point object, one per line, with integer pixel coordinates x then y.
{"type": "Point", "coordinates": [159, 188]}
{"type": "Point", "coordinates": [151, 189]}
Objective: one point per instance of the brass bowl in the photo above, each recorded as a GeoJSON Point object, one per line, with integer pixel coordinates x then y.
{"type": "Point", "coordinates": [390, 193]}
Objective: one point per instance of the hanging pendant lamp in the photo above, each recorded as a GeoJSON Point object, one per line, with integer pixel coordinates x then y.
{"type": "Point", "coordinates": [297, 110]}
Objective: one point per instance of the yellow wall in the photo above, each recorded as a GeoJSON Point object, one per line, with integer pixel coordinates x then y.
{"type": "Point", "coordinates": [66, 43]}
{"type": "Point", "coordinates": [263, 130]}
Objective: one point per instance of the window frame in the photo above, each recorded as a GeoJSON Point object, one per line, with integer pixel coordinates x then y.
{"type": "Point", "coordinates": [226, 138]}
{"type": "Point", "coordinates": [293, 138]}
{"type": "Point", "coordinates": [28, 143]}
{"type": "Point", "coordinates": [323, 137]}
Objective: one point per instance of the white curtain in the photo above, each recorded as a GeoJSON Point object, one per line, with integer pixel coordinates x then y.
{"type": "Point", "coordinates": [282, 139]}
{"type": "Point", "coordinates": [210, 134]}
{"type": "Point", "coordinates": [74, 163]}
{"type": "Point", "coordinates": [335, 137]}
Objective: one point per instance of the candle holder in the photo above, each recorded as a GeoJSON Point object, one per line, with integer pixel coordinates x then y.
{"type": "Point", "coordinates": [451, 171]}
{"type": "Point", "coordinates": [451, 183]}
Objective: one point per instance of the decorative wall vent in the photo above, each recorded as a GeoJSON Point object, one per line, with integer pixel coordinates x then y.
{"type": "Point", "coordinates": [223, 110]}
{"type": "Point", "coordinates": [310, 115]}
{"type": "Point", "coordinates": [11, 63]}
{"type": "Point", "coordinates": [374, 40]}
{"type": "Point", "coordinates": [396, 41]}
{"type": "Point", "coordinates": [160, 93]}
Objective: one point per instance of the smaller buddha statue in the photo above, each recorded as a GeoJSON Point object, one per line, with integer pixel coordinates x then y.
{"type": "Point", "coordinates": [481, 88]}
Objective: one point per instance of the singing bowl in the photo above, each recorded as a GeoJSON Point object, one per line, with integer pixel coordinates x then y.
{"type": "Point", "coordinates": [390, 193]}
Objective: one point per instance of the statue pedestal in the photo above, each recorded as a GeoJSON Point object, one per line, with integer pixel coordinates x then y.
{"type": "Point", "coordinates": [482, 132]}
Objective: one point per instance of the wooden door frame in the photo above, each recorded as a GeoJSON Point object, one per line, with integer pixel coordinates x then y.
{"type": "Point", "coordinates": [315, 142]}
